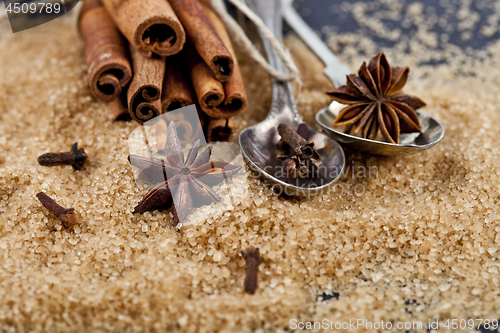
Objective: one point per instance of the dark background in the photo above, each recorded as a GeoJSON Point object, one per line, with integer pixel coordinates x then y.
{"type": "Point", "coordinates": [335, 15]}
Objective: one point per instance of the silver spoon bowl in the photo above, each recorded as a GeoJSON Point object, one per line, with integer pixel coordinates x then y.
{"type": "Point", "coordinates": [409, 143]}
{"type": "Point", "coordinates": [259, 143]}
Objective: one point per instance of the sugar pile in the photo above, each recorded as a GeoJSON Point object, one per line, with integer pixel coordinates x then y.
{"type": "Point", "coordinates": [400, 239]}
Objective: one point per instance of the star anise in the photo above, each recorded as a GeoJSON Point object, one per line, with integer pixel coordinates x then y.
{"type": "Point", "coordinates": [300, 155]}
{"type": "Point", "coordinates": [187, 182]}
{"type": "Point", "coordinates": [376, 102]}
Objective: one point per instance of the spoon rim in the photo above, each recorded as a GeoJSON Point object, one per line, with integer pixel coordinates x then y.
{"type": "Point", "coordinates": [329, 128]}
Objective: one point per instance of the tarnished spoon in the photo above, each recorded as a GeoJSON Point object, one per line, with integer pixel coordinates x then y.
{"type": "Point", "coordinates": [259, 143]}
{"type": "Point", "coordinates": [409, 143]}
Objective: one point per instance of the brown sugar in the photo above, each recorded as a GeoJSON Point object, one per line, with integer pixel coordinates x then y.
{"type": "Point", "coordinates": [399, 239]}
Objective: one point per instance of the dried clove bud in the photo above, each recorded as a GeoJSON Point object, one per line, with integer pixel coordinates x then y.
{"type": "Point", "coordinates": [253, 260]}
{"type": "Point", "coordinates": [67, 215]}
{"type": "Point", "coordinates": [76, 158]}
{"type": "Point", "coordinates": [303, 131]}
{"type": "Point", "coordinates": [300, 156]}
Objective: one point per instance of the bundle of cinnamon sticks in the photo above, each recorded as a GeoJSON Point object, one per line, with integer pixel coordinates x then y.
{"type": "Point", "coordinates": [148, 57]}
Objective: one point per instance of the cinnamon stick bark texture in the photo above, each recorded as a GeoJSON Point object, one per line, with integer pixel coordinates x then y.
{"type": "Point", "coordinates": [209, 91]}
{"type": "Point", "coordinates": [119, 108]}
{"type": "Point", "coordinates": [151, 26]}
{"type": "Point", "coordinates": [234, 89]}
{"type": "Point", "coordinates": [218, 129]}
{"type": "Point", "coordinates": [145, 89]}
{"type": "Point", "coordinates": [204, 38]}
{"type": "Point", "coordinates": [105, 51]}
{"type": "Point", "coordinates": [177, 87]}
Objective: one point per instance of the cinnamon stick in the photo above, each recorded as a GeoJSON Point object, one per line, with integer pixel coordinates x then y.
{"type": "Point", "coordinates": [160, 133]}
{"type": "Point", "coordinates": [177, 87]}
{"type": "Point", "coordinates": [234, 89]}
{"type": "Point", "coordinates": [189, 130]}
{"type": "Point", "coordinates": [218, 129]}
{"type": "Point", "coordinates": [204, 38]}
{"type": "Point", "coordinates": [209, 91]}
{"type": "Point", "coordinates": [105, 50]}
{"type": "Point", "coordinates": [145, 89]}
{"type": "Point", "coordinates": [119, 107]}
{"type": "Point", "coordinates": [151, 26]}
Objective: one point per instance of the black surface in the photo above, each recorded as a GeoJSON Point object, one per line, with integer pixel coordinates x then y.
{"type": "Point", "coordinates": [335, 15]}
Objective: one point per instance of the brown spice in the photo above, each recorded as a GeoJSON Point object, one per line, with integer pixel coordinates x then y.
{"type": "Point", "coordinates": [376, 102]}
{"type": "Point", "coordinates": [204, 38]}
{"type": "Point", "coordinates": [189, 130]}
{"type": "Point", "coordinates": [145, 89]}
{"type": "Point", "coordinates": [218, 129]}
{"type": "Point", "coordinates": [119, 107]}
{"type": "Point", "coordinates": [151, 26]}
{"type": "Point", "coordinates": [186, 181]}
{"type": "Point", "coordinates": [209, 91]}
{"type": "Point", "coordinates": [105, 50]}
{"type": "Point", "coordinates": [177, 87]}
{"type": "Point", "coordinates": [253, 260]}
{"type": "Point", "coordinates": [300, 155]}
{"type": "Point", "coordinates": [67, 215]}
{"type": "Point", "coordinates": [157, 198]}
{"type": "Point", "coordinates": [234, 89]}
{"type": "Point", "coordinates": [76, 158]}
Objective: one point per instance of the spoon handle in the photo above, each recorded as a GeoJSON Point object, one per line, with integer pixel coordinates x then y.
{"type": "Point", "coordinates": [282, 101]}
{"type": "Point", "coordinates": [335, 70]}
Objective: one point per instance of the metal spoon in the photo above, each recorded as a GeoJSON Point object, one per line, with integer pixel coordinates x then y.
{"type": "Point", "coordinates": [259, 142]}
{"type": "Point", "coordinates": [410, 143]}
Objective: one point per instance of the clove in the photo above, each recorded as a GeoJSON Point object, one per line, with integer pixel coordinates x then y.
{"type": "Point", "coordinates": [76, 158]}
{"type": "Point", "coordinates": [300, 155]}
{"type": "Point", "coordinates": [253, 260]}
{"type": "Point", "coordinates": [67, 215]}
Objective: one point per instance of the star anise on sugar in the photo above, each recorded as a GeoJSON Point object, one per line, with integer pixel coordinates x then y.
{"type": "Point", "coordinates": [185, 182]}
{"type": "Point", "coordinates": [299, 156]}
{"type": "Point", "coordinates": [376, 102]}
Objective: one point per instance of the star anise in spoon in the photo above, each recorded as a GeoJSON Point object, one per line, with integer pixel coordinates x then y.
{"type": "Point", "coordinates": [186, 182]}
{"type": "Point", "coordinates": [376, 102]}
